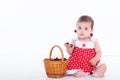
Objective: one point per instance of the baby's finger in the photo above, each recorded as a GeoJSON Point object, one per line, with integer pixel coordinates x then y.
{"type": "Point", "coordinates": [91, 64]}
{"type": "Point", "coordinates": [67, 44]}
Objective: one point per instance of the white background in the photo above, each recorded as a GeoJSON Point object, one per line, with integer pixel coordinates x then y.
{"type": "Point", "coordinates": [32, 27]}
{"type": "Point", "coordinates": [29, 29]}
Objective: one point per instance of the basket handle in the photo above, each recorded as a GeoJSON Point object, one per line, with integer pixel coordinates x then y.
{"type": "Point", "coordinates": [60, 51]}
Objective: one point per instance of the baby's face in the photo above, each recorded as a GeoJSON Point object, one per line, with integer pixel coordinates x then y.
{"type": "Point", "coordinates": [84, 29]}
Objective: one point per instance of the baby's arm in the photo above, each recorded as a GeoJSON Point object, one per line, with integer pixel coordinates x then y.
{"type": "Point", "coordinates": [97, 57]}
{"type": "Point", "coordinates": [70, 47]}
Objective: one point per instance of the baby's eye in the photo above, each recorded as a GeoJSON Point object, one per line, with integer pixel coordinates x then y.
{"type": "Point", "coordinates": [86, 28]}
{"type": "Point", "coordinates": [79, 27]}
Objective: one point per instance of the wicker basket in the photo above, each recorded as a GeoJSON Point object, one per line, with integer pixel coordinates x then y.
{"type": "Point", "coordinates": [55, 69]}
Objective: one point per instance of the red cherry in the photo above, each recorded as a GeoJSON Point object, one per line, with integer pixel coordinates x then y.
{"type": "Point", "coordinates": [65, 59]}
{"type": "Point", "coordinates": [56, 59]}
{"type": "Point", "coordinates": [71, 45]}
{"type": "Point", "coordinates": [91, 73]}
{"type": "Point", "coordinates": [75, 31]}
{"type": "Point", "coordinates": [67, 43]}
{"type": "Point", "coordinates": [91, 34]}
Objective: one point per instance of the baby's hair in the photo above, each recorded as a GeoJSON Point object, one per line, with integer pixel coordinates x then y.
{"type": "Point", "coordinates": [86, 18]}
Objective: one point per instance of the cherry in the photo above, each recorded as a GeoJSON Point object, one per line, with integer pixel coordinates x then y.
{"type": "Point", "coordinates": [56, 59]}
{"type": "Point", "coordinates": [91, 34]}
{"type": "Point", "coordinates": [91, 73]}
{"type": "Point", "coordinates": [75, 31]}
{"type": "Point", "coordinates": [67, 43]}
{"type": "Point", "coordinates": [71, 45]}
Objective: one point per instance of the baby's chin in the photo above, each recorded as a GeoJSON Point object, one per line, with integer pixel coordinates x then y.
{"type": "Point", "coordinates": [83, 37]}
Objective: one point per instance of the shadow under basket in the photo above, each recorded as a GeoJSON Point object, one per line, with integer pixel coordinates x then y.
{"type": "Point", "coordinates": [53, 68]}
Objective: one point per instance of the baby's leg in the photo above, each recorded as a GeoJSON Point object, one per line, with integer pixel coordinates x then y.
{"type": "Point", "coordinates": [100, 71]}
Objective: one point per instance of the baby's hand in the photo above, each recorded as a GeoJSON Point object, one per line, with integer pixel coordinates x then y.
{"type": "Point", "coordinates": [69, 47]}
{"type": "Point", "coordinates": [93, 61]}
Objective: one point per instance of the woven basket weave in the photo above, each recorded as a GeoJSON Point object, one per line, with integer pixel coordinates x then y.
{"type": "Point", "coordinates": [55, 69]}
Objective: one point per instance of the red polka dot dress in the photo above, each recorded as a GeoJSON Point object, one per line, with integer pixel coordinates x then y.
{"type": "Point", "coordinates": [83, 53]}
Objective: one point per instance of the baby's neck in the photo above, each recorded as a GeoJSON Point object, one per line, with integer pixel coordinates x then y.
{"type": "Point", "coordinates": [84, 39]}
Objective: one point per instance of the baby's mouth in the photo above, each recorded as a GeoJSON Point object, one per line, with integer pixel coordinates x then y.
{"type": "Point", "coordinates": [81, 34]}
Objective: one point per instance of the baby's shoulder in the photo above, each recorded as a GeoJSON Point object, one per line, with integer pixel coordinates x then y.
{"type": "Point", "coordinates": [93, 39]}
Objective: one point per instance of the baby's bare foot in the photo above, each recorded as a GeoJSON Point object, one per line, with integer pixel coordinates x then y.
{"type": "Point", "coordinates": [80, 74]}
{"type": "Point", "coordinates": [100, 71]}
{"type": "Point", "coordinates": [98, 74]}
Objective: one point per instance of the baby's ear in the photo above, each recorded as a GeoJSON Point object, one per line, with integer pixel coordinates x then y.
{"type": "Point", "coordinates": [75, 30]}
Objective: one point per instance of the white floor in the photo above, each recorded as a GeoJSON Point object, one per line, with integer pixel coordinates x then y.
{"type": "Point", "coordinates": [32, 68]}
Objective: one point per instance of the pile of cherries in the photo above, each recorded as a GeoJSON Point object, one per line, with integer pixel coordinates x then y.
{"type": "Point", "coordinates": [57, 59]}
